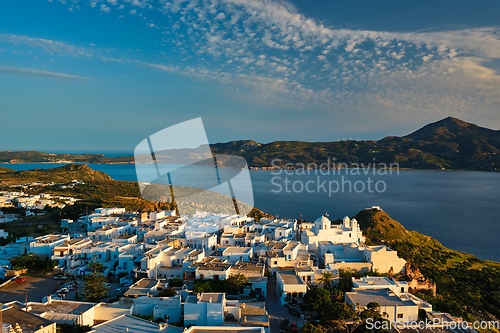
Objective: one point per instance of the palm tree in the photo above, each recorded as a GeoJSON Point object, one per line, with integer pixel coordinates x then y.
{"type": "Point", "coordinates": [326, 279]}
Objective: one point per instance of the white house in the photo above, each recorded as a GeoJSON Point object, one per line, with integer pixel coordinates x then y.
{"type": "Point", "coordinates": [202, 241]}
{"type": "Point", "coordinates": [360, 258]}
{"type": "Point", "coordinates": [43, 245]}
{"type": "Point", "coordinates": [206, 309]}
{"type": "Point", "coordinates": [290, 285]}
{"type": "Point", "coordinates": [396, 304]}
{"type": "Point", "coordinates": [166, 308]}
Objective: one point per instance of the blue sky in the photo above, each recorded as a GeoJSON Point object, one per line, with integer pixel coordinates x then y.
{"type": "Point", "coordinates": [103, 75]}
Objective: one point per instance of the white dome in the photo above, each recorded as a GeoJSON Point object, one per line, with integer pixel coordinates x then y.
{"type": "Point", "coordinates": [322, 219]}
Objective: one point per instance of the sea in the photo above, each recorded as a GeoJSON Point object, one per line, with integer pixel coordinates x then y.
{"type": "Point", "coordinates": [461, 209]}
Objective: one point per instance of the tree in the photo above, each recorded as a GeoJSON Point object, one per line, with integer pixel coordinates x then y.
{"type": "Point", "coordinates": [174, 282]}
{"type": "Point", "coordinates": [337, 311]}
{"type": "Point", "coordinates": [95, 287]}
{"type": "Point", "coordinates": [169, 292]}
{"type": "Point", "coordinates": [202, 286]}
{"type": "Point", "coordinates": [236, 283]}
{"type": "Point", "coordinates": [33, 263]}
{"type": "Point", "coordinates": [326, 279]}
{"type": "Point", "coordinates": [310, 328]}
{"type": "Point", "coordinates": [318, 298]}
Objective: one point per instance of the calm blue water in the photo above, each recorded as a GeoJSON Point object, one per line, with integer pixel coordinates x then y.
{"type": "Point", "coordinates": [461, 209]}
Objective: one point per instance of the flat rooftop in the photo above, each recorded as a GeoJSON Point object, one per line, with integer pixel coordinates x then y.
{"type": "Point", "coordinates": [253, 308]}
{"type": "Point", "coordinates": [216, 297]}
{"type": "Point", "coordinates": [381, 296]}
{"type": "Point", "coordinates": [58, 306]}
{"type": "Point", "coordinates": [125, 236]}
{"type": "Point", "coordinates": [29, 322]}
{"type": "Point", "coordinates": [289, 277]}
{"type": "Point", "coordinates": [145, 283]}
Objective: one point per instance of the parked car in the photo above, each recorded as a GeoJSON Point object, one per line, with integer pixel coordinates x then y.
{"type": "Point", "coordinates": [20, 279]}
{"type": "Point", "coordinates": [63, 291]}
{"type": "Point", "coordinates": [60, 277]}
{"type": "Point", "coordinates": [294, 327]}
{"type": "Point", "coordinates": [294, 311]}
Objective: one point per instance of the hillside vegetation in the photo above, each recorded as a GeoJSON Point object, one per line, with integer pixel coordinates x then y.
{"type": "Point", "coordinates": [466, 286]}
{"type": "Point", "coordinates": [62, 174]}
{"type": "Point", "coordinates": [39, 157]}
{"type": "Point", "coordinates": [2, 170]}
{"type": "Point", "coordinates": [449, 143]}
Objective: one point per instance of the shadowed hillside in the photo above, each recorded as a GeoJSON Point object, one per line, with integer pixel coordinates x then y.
{"type": "Point", "coordinates": [466, 285]}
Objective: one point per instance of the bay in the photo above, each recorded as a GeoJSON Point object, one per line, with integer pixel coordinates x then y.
{"type": "Point", "coordinates": [460, 209]}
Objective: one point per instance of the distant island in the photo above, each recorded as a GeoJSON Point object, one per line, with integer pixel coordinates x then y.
{"type": "Point", "coordinates": [447, 144]}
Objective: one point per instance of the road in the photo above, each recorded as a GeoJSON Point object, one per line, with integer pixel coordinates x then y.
{"type": "Point", "coordinates": [36, 286]}
{"type": "Point", "coordinates": [111, 295]}
{"type": "Point", "coordinates": [277, 312]}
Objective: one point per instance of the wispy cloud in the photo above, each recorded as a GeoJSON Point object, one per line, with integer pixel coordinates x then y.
{"type": "Point", "coordinates": [43, 73]}
{"type": "Point", "coordinates": [47, 45]}
{"type": "Point", "coordinates": [267, 51]}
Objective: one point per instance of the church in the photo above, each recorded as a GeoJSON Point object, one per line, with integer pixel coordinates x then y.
{"type": "Point", "coordinates": [347, 232]}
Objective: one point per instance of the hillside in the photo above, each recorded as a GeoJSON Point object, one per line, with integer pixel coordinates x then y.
{"type": "Point", "coordinates": [99, 190]}
{"type": "Point", "coordinates": [62, 174]}
{"type": "Point", "coordinates": [5, 170]}
{"type": "Point", "coordinates": [449, 143]}
{"type": "Point", "coordinates": [466, 286]}
{"type": "Point", "coordinates": [39, 157]}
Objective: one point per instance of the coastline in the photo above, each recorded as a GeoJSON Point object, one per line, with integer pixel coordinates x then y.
{"type": "Point", "coordinates": [252, 167]}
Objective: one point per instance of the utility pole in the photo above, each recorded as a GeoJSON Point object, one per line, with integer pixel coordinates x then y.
{"type": "Point", "coordinates": [26, 300]}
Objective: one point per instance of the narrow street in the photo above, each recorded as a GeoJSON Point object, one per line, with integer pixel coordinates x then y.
{"type": "Point", "coordinates": [278, 312]}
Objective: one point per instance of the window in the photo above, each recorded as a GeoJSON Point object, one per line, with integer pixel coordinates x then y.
{"type": "Point", "coordinates": [402, 289]}
{"type": "Point", "coordinates": [400, 315]}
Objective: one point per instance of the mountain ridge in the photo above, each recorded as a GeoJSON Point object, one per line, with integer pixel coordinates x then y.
{"type": "Point", "coordinates": [449, 143]}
